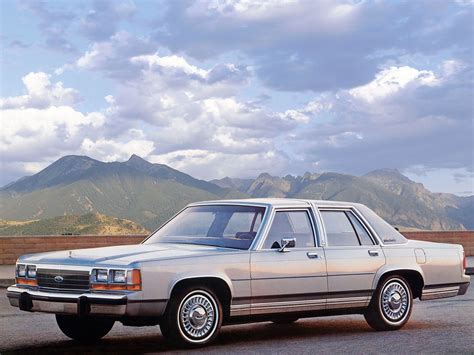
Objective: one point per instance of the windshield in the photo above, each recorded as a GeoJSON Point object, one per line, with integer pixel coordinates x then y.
{"type": "Point", "coordinates": [218, 225]}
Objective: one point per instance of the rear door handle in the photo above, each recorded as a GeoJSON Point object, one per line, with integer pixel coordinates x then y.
{"type": "Point", "coordinates": [373, 253]}
{"type": "Point", "coordinates": [312, 255]}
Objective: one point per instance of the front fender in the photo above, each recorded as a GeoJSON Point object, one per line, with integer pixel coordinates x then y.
{"type": "Point", "coordinates": [198, 275]}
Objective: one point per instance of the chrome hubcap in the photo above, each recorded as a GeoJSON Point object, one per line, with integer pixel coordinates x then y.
{"type": "Point", "coordinates": [197, 316]}
{"type": "Point", "coordinates": [394, 301]}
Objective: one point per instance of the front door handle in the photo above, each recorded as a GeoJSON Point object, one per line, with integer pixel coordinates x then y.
{"type": "Point", "coordinates": [373, 253]}
{"type": "Point", "coordinates": [312, 255]}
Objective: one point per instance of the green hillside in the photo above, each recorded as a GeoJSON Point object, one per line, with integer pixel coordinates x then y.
{"type": "Point", "coordinates": [146, 193]}
{"type": "Point", "coordinates": [91, 223]}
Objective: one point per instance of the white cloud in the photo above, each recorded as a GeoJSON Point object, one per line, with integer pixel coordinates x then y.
{"type": "Point", "coordinates": [41, 126]}
{"type": "Point", "coordinates": [172, 62]}
{"type": "Point", "coordinates": [317, 45]}
{"type": "Point", "coordinates": [41, 93]}
{"type": "Point", "coordinates": [207, 164]}
{"type": "Point", "coordinates": [116, 150]}
{"type": "Point", "coordinates": [34, 132]}
{"type": "Point", "coordinates": [403, 117]}
{"type": "Point", "coordinates": [390, 81]}
{"type": "Point", "coordinates": [112, 56]}
{"type": "Point", "coordinates": [176, 70]}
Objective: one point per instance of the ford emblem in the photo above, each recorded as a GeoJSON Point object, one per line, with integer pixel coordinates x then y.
{"type": "Point", "coordinates": [58, 279]}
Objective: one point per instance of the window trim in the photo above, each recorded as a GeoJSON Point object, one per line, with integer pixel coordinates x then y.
{"type": "Point", "coordinates": [357, 216]}
{"type": "Point", "coordinates": [311, 216]}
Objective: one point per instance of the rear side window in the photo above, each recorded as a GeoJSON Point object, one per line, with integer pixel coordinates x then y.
{"type": "Point", "coordinates": [339, 230]}
{"type": "Point", "coordinates": [344, 229]}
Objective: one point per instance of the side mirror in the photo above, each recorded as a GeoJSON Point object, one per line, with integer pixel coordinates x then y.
{"type": "Point", "coordinates": [287, 243]}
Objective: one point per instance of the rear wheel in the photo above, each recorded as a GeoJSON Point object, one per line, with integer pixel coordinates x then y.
{"type": "Point", "coordinates": [86, 330]}
{"type": "Point", "coordinates": [193, 317]}
{"type": "Point", "coordinates": [391, 305]}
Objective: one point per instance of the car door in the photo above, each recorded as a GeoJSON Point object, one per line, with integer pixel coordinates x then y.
{"type": "Point", "coordinates": [291, 280]}
{"type": "Point", "coordinates": [352, 258]}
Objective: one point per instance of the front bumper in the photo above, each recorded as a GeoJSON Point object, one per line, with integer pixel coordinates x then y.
{"type": "Point", "coordinates": [128, 304]}
{"type": "Point", "coordinates": [82, 304]}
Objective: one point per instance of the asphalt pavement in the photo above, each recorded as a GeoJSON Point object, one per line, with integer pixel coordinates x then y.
{"type": "Point", "coordinates": [440, 326]}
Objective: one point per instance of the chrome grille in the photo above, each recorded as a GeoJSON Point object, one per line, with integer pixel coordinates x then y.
{"type": "Point", "coordinates": [71, 279]}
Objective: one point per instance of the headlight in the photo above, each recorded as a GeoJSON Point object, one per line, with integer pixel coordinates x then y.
{"type": "Point", "coordinates": [119, 276]}
{"type": "Point", "coordinates": [21, 270]}
{"type": "Point", "coordinates": [31, 271]}
{"type": "Point", "coordinates": [100, 276]}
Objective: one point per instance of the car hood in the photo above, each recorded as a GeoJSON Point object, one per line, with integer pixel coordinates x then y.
{"type": "Point", "coordinates": [122, 254]}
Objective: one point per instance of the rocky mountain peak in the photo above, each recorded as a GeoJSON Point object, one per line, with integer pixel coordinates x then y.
{"type": "Point", "coordinates": [388, 173]}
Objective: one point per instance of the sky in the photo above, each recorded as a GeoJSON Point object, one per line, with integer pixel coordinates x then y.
{"type": "Point", "coordinates": [236, 88]}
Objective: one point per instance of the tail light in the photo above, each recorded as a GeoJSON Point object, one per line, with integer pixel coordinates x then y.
{"type": "Point", "coordinates": [464, 266]}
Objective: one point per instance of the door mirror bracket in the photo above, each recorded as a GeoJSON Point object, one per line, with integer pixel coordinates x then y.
{"type": "Point", "coordinates": [287, 243]}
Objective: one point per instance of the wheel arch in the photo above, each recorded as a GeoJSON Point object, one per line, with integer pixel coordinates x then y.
{"type": "Point", "coordinates": [218, 284]}
{"type": "Point", "coordinates": [413, 276]}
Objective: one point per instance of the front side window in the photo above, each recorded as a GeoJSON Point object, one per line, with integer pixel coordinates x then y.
{"type": "Point", "coordinates": [220, 226]}
{"type": "Point", "coordinates": [344, 229]}
{"type": "Point", "coordinates": [290, 224]}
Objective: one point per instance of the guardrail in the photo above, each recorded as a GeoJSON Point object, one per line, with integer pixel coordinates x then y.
{"type": "Point", "coordinates": [11, 247]}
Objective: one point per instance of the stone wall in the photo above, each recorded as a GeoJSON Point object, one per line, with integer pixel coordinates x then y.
{"type": "Point", "coordinates": [12, 247]}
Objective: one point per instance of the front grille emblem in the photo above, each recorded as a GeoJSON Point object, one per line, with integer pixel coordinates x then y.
{"type": "Point", "coordinates": [58, 279]}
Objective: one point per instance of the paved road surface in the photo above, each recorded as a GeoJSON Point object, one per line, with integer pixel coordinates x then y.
{"type": "Point", "coordinates": [442, 326]}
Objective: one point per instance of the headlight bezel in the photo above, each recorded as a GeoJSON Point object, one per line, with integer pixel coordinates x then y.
{"type": "Point", "coordinates": [24, 275]}
{"type": "Point", "coordinates": [117, 279]}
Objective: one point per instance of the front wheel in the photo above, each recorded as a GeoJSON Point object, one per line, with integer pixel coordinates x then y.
{"type": "Point", "coordinates": [391, 305]}
{"type": "Point", "coordinates": [86, 330]}
{"type": "Point", "coordinates": [193, 317]}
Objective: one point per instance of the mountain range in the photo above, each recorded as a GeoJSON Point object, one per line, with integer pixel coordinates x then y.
{"type": "Point", "coordinates": [149, 194]}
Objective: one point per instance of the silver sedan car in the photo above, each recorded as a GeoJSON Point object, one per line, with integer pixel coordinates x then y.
{"type": "Point", "coordinates": [223, 262]}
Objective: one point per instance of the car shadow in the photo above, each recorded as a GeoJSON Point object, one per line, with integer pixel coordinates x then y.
{"type": "Point", "coordinates": [232, 338]}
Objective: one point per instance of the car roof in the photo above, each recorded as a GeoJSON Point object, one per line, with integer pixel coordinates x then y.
{"type": "Point", "coordinates": [279, 202]}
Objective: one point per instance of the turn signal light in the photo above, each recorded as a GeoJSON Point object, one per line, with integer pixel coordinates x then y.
{"type": "Point", "coordinates": [134, 280]}
{"type": "Point", "coordinates": [24, 281]}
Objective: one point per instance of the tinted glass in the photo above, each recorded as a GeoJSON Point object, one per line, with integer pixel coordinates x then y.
{"type": "Point", "coordinates": [241, 222]}
{"type": "Point", "coordinates": [221, 226]}
{"type": "Point", "coordinates": [385, 231]}
{"type": "Point", "coordinates": [339, 229]}
{"type": "Point", "coordinates": [361, 231]}
{"type": "Point", "coordinates": [295, 224]}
